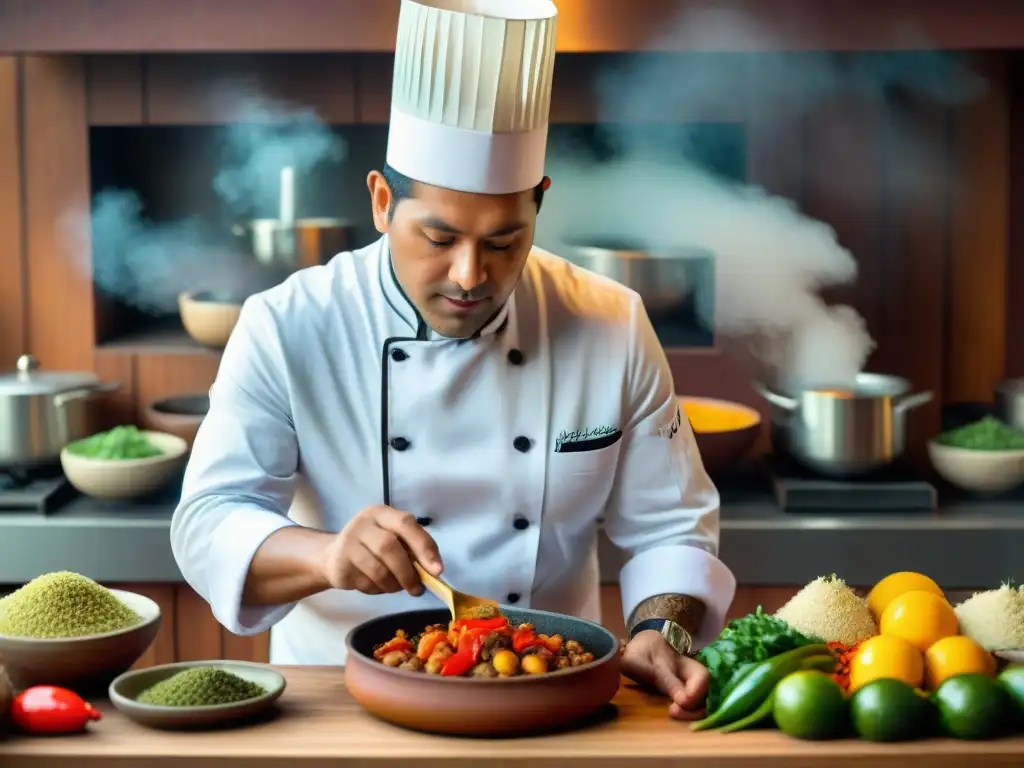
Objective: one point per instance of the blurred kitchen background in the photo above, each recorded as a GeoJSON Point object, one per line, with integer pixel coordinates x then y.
{"type": "Point", "coordinates": [801, 194]}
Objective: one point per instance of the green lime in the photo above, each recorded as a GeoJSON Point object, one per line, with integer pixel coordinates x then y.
{"type": "Point", "coordinates": [1012, 680]}
{"type": "Point", "coordinates": [888, 710]}
{"type": "Point", "coordinates": [972, 706]}
{"type": "Point", "coordinates": [809, 705]}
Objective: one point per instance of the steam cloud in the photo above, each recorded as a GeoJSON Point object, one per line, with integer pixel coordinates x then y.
{"type": "Point", "coordinates": [146, 264]}
{"type": "Point", "coordinates": [771, 260]}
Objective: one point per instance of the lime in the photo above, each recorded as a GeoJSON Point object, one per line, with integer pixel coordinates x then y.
{"type": "Point", "coordinates": [888, 710]}
{"type": "Point", "coordinates": [1012, 681]}
{"type": "Point", "coordinates": [972, 706]}
{"type": "Point", "coordinates": [809, 705]}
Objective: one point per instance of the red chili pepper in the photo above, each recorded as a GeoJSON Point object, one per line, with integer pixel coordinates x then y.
{"type": "Point", "coordinates": [48, 709]}
{"type": "Point", "coordinates": [458, 665]}
{"type": "Point", "coordinates": [429, 642]}
{"type": "Point", "coordinates": [395, 644]}
{"type": "Point", "coordinates": [498, 622]}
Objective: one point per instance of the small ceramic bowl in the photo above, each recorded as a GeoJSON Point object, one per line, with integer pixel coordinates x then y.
{"type": "Point", "coordinates": [208, 317]}
{"type": "Point", "coordinates": [1013, 657]}
{"type": "Point", "coordinates": [180, 415]}
{"type": "Point", "coordinates": [82, 663]}
{"type": "Point", "coordinates": [113, 479]}
{"type": "Point", "coordinates": [987, 472]}
{"type": "Point", "coordinates": [126, 689]}
{"type": "Point", "coordinates": [725, 431]}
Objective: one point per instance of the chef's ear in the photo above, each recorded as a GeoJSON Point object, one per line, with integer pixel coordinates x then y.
{"type": "Point", "coordinates": [382, 200]}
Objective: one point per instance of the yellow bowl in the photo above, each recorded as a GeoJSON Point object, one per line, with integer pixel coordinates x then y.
{"type": "Point", "coordinates": [725, 431]}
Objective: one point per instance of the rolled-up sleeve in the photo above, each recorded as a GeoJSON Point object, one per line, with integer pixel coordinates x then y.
{"type": "Point", "coordinates": [241, 476]}
{"type": "Point", "coordinates": [664, 509]}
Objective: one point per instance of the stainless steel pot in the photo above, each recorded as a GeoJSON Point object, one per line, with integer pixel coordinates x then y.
{"type": "Point", "coordinates": [664, 280]}
{"type": "Point", "coordinates": [844, 433]}
{"type": "Point", "coordinates": [1009, 402]}
{"type": "Point", "coordinates": [307, 243]}
{"type": "Point", "coordinates": [41, 412]}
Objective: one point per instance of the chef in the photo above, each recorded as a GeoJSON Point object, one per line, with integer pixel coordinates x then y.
{"type": "Point", "coordinates": [452, 394]}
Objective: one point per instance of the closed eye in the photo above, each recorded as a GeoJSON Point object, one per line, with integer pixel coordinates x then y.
{"type": "Point", "coordinates": [439, 243]}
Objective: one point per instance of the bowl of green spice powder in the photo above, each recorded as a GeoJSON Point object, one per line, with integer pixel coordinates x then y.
{"type": "Point", "coordinates": [197, 694]}
{"type": "Point", "coordinates": [65, 629]}
{"type": "Point", "coordinates": [123, 463]}
{"type": "Point", "coordinates": [986, 456]}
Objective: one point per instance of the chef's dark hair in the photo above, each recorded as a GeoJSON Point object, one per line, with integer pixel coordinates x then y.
{"type": "Point", "coordinates": [401, 188]}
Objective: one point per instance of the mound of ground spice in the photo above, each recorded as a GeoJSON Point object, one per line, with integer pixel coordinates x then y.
{"type": "Point", "coordinates": [62, 605]}
{"type": "Point", "coordinates": [200, 687]}
{"type": "Point", "coordinates": [829, 609]}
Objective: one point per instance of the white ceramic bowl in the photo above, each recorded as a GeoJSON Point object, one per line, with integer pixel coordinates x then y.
{"type": "Point", "coordinates": [82, 662]}
{"type": "Point", "coordinates": [978, 471]}
{"type": "Point", "coordinates": [114, 479]}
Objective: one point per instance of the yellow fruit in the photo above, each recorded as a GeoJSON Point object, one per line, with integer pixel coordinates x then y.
{"type": "Point", "coordinates": [894, 585]}
{"type": "Point", "coordinates": [886, 656]}
{"type": "Point", "coordinates": [922, 618]}
{"type": "Point", "coordinates": [957, 655]}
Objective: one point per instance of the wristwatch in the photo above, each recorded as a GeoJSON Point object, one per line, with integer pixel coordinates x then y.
{"type": "Point", "coordinates": [674, 634]}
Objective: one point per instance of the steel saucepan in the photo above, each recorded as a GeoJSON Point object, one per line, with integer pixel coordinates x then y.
{"type": "Point", "coordinates": [664, 280]}
{"type": "Point", "coordinates": [844, 433]}
{"type": "Point", "coordinates": [1009, 402]}
{"type": "Point", "coordinates": [307, 243]}
{"type": "Point", "coordinates": [41, 412]}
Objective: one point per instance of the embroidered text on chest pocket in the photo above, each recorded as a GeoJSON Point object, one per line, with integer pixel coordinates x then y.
{"type": "Point", "coordinates": [580, 481]}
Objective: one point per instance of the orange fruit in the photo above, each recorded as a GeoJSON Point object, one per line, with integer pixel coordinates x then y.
{"type": "Point", "coordinates": [956, 655]}
{"type": "Point", "coordinates": [922, 618]}
{"type": "Point", "coordinates": [886, 657]}
{"type": "Point", "coordinates": [894, 585]}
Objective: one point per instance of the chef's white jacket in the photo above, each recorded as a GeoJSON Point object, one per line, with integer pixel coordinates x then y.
{"type": "Point", "coordinates": [510, 447]}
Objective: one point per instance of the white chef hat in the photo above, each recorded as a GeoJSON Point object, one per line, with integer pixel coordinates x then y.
{"type": "Point", "coordinates": [472, 93]}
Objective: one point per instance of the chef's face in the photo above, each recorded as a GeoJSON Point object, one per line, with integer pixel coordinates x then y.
{"type": "Point", "coordinates": [457, 255]}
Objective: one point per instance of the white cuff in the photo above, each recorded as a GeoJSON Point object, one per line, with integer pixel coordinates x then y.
{"type": "Point", "coordinates": [234, 544]}
{"type": "Point", "coordinates": [680, 570]}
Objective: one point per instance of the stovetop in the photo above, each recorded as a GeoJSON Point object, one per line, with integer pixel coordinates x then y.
{"type": "Point", "coordinates": [40, 491]}
{"type": "Point", "coordinates": [894, 488]}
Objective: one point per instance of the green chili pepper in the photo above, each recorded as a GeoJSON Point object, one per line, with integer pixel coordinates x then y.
{"type": "Point", "coordinates": [741, 672]}
{"type": "Point", "coordinates": [755, 686]}
{"type": "Point", "coordinates": [759, 715]}
{"type": "Point", "coordinates": [822, 663]}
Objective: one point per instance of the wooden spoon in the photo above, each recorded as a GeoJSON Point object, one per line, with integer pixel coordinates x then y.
{"type": "Point", "coordinates": [461, 605]}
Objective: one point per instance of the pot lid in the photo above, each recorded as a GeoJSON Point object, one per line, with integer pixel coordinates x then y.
{"type": "Point", "coordinates": [29, 380]}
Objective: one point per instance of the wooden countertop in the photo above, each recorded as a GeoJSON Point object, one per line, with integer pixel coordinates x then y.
{"type": "Point", "coordinates": [321, 725]}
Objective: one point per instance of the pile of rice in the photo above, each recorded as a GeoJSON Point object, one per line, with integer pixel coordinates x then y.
{"type": "Point", "coordinates": [829, 609]}
{"type": "Point", "coordinates": [995, 619]}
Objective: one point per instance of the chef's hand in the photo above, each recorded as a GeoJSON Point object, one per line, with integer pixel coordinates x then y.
{"type": "Point", "coordinates": [373, 553]}
{"type": "Point", "coordinates": [649, 660]}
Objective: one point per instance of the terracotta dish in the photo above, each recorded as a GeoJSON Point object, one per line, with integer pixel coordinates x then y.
{"type": "Point", "coordinates": [180, 415]}
{"type": "Point", "coordinates": [725, 431]}
{"type": "Point", "coordinates": [482, 707]}
{"type": "Point", "coordinates": [82, 663]}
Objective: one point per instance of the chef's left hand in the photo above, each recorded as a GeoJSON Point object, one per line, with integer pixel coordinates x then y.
{"type": "Point", "coordinates": [649, 660]}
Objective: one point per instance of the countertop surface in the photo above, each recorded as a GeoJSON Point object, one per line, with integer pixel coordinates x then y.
{"type": "Point", "coordinates": [319, 724]}
{"type": "Point", "coordinates": [967, 542]}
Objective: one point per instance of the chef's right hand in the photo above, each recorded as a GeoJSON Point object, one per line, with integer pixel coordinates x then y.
{"type": "Point", "coordinates": [373, 553]}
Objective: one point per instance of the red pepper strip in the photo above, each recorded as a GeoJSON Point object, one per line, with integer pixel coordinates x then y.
{"type": "Point", "coordinates": [429, 642]}
{"type": "Point", "coordinates": [458, 665]}
{"type": "Point", "coordinates": [499, 622]}
{"type": "Point", "coordinates": [525, 638]}
{"type": "Point", "coordinates": [395, 644]}
{"type": "Point", "coordinates": [472, 642]}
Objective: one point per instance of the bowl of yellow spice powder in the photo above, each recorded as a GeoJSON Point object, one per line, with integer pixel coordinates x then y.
{"type": "Point", "coordinates": [986, 456]}
{"type": "Point", "coordinates": [64, 629]}
{"type": "Point", "coordinates": [196, 694]}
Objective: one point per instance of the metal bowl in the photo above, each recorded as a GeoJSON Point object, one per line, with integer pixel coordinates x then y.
{"type": "Point", "coordinates": [482, 706]}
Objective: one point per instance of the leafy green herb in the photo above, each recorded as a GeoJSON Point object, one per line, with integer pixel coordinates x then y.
{"type": "Point", "coordinates": [120, 443]}
{"type": "Point", "coordinates": [744, 642]}
{"type": "Point", "coordinates": [988, 434]}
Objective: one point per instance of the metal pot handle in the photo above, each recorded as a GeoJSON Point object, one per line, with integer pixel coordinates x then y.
{"type": "Point", "coordinates": [785, 403]}
{"type": "Point", "coordinates": [62, 399]}
{"type": "Point", "coordinates": [908, 402]}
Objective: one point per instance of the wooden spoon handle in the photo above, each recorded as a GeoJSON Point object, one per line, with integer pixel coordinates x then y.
{"type": "Point", "coordinates": [434, 584]}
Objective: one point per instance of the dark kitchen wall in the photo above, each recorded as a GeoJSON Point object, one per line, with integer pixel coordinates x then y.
{"type": "Point", "coordinates": [933, 240]}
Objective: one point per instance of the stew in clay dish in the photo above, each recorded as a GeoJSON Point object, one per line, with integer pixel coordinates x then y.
{"type": "Point", "coordinates": [487, 645]}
